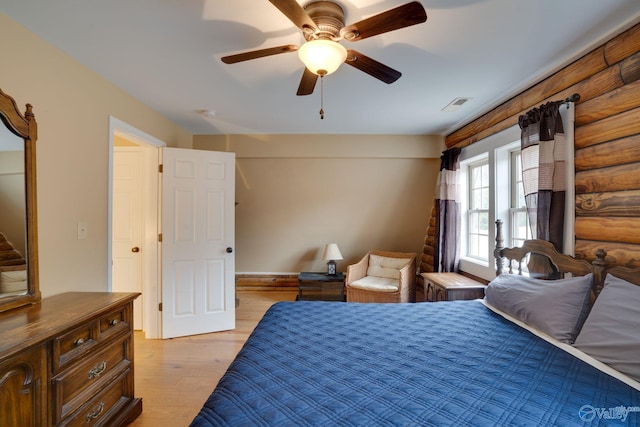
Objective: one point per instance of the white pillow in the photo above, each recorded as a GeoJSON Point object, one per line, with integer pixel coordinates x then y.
{"type": "Point", "coordinates": [611, 332]}
{"type": "Point", "coordinates": [381, 266]}
{"type": "Point", "coordinates": [555, 307]}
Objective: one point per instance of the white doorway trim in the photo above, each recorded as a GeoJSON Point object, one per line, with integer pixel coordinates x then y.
{"type": "Point", "coordinates": [151, 265]}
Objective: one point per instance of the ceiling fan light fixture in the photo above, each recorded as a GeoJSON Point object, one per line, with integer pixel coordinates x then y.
{"type": "Point", "coordinates": [208, 114]}
{"type": "Point", "coordinates": [322, 56]}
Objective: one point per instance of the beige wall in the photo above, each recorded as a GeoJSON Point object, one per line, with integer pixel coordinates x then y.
{"type": "Point", "coordinates": [72, 106]}
{"type": "Point", "coordinates": [295, 193]}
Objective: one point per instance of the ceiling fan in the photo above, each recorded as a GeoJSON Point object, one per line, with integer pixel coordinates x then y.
{"type": "Point", "coordinates": [323, 26]}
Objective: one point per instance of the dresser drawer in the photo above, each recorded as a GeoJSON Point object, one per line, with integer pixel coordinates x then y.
{"type": "Point", "coordinates": [99, 410]}
{"type": "Point", "coordinates": [74, 344]}
{"type": "Point", "coordinates": [114, 323]}
{"type": "Point", "coordinates": [74, 386]}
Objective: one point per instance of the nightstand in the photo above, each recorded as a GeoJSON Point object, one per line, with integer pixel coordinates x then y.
{"type": "Point", "coordinates": [450, 287]}
{"type": "Point", "coordinates": [320, 286]}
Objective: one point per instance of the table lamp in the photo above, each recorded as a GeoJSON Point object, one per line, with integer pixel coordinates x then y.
{"type": "Point", "coordinates": [331, 254]}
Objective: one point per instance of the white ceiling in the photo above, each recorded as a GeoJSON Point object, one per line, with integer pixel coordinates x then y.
{"type": "Point", "coordinates": [167, 54]}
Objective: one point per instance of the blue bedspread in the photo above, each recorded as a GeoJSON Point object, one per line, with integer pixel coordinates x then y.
{"type": "Point", "coordinates": [430, 364]}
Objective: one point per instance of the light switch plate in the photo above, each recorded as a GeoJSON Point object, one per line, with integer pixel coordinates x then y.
{"type": "Point", "coordinates": [83, 230]}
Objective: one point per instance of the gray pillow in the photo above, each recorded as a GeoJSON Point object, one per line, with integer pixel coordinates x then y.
{"type": "Point", "coordinates": [555, 307]}
{"type": "Point", "coordinates": [611, 332]}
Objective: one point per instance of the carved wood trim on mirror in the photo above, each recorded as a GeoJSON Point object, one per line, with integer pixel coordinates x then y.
{"type": "Point", "coordinates": [25, 127]}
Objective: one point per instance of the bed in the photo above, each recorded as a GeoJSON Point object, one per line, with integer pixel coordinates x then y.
{"type": "Point", "coordinates": [522, 356]}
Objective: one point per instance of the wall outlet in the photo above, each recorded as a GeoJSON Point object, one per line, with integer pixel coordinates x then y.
{"type": "Point", "coordinates": [83, 230]}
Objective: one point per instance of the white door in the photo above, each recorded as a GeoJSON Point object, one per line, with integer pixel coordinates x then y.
{"type": "Point", "coordinates": [198, 221]}
{"type": "Point", "coordinates": [127, 233]}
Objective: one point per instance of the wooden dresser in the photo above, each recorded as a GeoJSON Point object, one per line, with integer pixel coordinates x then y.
{"type": "Point", "coordinates": [69, 361]}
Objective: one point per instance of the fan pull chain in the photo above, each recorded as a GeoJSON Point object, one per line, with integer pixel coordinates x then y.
{"type": "Point", "coordinates": [321, 97]}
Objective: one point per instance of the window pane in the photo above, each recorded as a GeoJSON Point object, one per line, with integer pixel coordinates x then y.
{"type": "Point", "coordinates": [473, 223]}
{"type": "Point", "coordinates": [519, 221]}
{"type": "Point", "coordinates": [476, 202]}
{"type": "Point", "coordinates": [483, 223]}
{"type": "Point", "coordinates": [522, 222]}
{"type": "Point", "coordinates": [520, 203]}
{"type": "Point", "coordinates": [485, 199]}
{"type": "Point", "coordinates": [478, 214]}
{"type": "Point", "coordinates": [483, 247]}
{"type": "Point", "coordinates": [476, 177]}
{"type": "Point", "coordinates": [485, 175]}
{"type": "Point", "coordinates": [473, 245]}
{"type": "Point", "coordinates": [521, 229]}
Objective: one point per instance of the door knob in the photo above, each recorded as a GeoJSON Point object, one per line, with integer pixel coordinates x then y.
{"type": "Point", "coordinates": [135, 249]}
{"type": "Point", "coordinates": [229, 250]}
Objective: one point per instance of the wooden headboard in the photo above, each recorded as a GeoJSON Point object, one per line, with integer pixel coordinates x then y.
{"type": "Point", "coordinates": [629, 274]}
{"type": "Point", "coordinates": [509, 258]}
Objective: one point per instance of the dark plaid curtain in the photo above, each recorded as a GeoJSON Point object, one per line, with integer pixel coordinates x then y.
{"type": "Point", "coordinates": [543, 145]}
{"type": "Point", "coordinates": [447, 238]}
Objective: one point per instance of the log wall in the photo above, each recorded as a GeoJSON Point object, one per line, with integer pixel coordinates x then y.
{"type": "Point", "coordinates": [607, 144]}
{"type": "Point", "coordinates": [427, 259]}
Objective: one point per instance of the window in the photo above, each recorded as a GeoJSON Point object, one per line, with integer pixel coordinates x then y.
{"type": "Point", "coordinates": [491, 186]}
{"type": "Point", "coordinates": [491, 179]}
{"type": "Point", "coordinates": [518, 217]}
{"type": "Point", "coordinates": [478, 213]}
{"type": "Point", "coordinates": [502, 172]}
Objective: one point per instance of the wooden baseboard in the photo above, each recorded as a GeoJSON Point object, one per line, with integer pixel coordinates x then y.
{"type": "Point", "coordinates": [266, 282]}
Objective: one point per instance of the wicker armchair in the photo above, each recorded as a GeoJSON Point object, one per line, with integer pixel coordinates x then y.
{"type": "Point", "coordinates": [382, 277]}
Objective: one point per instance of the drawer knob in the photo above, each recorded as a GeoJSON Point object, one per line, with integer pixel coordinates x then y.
{"type": "Point", "coordinates": [95, 412]}
{"type": "Point", "coordinates": [97, 370]}
{"type": "Point", "coordinates": [78, 342]}
{"type": "Point", "coordinates": [114, 322]}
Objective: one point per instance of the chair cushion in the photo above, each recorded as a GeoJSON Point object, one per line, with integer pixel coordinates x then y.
{"type": "Point", "coordinates": [373, 283]}
{"type": "Point", "coordinates": [388, 267]}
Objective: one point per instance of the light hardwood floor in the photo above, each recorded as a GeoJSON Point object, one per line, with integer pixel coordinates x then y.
{"type": "Point", "coordinates": [174, 377]}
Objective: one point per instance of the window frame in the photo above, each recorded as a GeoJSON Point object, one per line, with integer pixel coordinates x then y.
{"type": "Point", "coordinates": [496, 150]}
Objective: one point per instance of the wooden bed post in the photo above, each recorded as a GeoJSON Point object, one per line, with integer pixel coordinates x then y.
{"type": "Point", "coordinates": [599, 266]}
{"type": "Point", "coordinates": [497, 253]}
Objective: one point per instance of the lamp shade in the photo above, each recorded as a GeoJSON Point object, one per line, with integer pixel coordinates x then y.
{"type": "Point", "coordinates": [331, 252]}
{"type": "Point", "coordinates": [322, 56]}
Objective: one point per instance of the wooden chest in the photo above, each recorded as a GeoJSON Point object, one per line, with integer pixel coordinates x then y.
{"type": "Point", "coordinates": [450, 287]}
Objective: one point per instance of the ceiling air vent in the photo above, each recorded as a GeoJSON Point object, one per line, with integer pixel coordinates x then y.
{"type": "Point", "coordinates": [455, 104]}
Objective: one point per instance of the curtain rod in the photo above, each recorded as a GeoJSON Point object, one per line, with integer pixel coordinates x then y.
{"type": "Point", "coordinates": [523, 118]}
{"type": "Point", "coordinates": [573, 98]}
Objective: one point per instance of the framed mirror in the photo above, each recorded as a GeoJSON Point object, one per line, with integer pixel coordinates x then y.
{"type": "Point", "coordinates": [18, 215]}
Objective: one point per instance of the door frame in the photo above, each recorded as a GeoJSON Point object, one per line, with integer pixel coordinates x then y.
{"type": "Point", "coordinates": [151, 320]}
